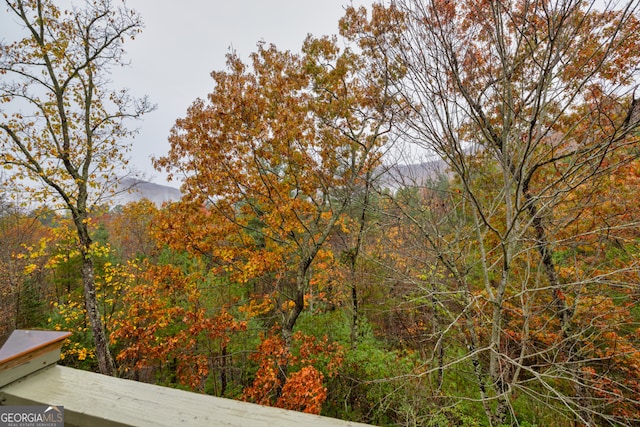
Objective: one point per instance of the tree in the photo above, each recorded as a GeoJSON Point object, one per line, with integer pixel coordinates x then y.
{"type": "Point", "coordinates": [62, 126]}
{"type": "Point", "coordinates": [304, 390]}
{"type": "Point", "coordinates": [528, 103]}
{"type": "Point", "coordinates": [22, 296]}
{"type": "Point", "coordinates": [129, 230]}
{"type": "Point", "coordinates": [170, 330]}
{"type": "Point", "coordinates": [271, 161]}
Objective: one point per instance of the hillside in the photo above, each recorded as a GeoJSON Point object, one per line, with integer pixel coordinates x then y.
{"type": "Point", "coordinates": [133, 190]}
{"type": "Point", "coordinates": [391, 177]}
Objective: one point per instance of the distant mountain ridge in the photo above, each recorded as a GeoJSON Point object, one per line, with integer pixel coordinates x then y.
{"type": "Point", "coordinates": [417, 174]}
{"type": "Point", "coordinates": [392, 177]}
{"type": "Point", "coordinates": [133, 190]}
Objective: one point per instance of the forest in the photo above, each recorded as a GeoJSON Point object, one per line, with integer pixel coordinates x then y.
{"type": "Point", "coordinates": [305, 267]}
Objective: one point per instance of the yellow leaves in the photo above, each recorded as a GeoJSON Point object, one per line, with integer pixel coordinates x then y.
{"type": "Point", "coordinates": [82, 354]}
{"type": "Point", "coordinates": [7, 157]}
{"type": "Point", "coordinates": [30, 268]}
{"type": "Point", "coordinates": [107, 278]}
{"type": "Point", "coordinates": [567, 272]}
{"type": "Point", "coordinates": [257, 307]}
{"type": "Point", "coordinates": [100, 250]}
{"type": "Point", "coordinates": [226, 255]}
{"type": "Point", "coordinates": [53, 262]}
{"type": "Point", "coordinates": [77, 351]}
{"type": "Point", "coordinates": [35, 251]}
{"type": "Point", "coordinates": [345, 224]}
{"type": "Point", "coordinates": [59, 130]}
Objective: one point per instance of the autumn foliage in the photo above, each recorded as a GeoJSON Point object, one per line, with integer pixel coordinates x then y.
{"type": "Point", "coordinates": [309, 267]}
{"type": "Point", "coordinates": [303, 390]}
{"type": "Point", "coordinates": [165, 322]}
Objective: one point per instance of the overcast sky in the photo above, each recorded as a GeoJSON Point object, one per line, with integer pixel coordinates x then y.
{"type": "Point", "coordinates": [184, 41]}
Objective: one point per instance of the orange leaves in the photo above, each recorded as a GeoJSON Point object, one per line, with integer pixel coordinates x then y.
{"type": "Point", "coordinates": [271, 160]}
{"type": "Point", "coordinates": [271, 354]}
{"type": "Point", "coordinates": [252, 134]}
{"type": "Point", "coordinates": [602, 29]}
{"type": "Point", "coordinates": [131, 230]}
{"type": "Point", "coordinates": [165, 321]}
{"type": "Point", "coordinates": [302, 390]}
{"type": "Point", "coordinates": [384, 21]}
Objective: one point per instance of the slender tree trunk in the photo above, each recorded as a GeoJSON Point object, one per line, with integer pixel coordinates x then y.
{"type": "Point", "coordinates": [571, 345]}
{"type": "Point", "coordinates": [106, 364]}
{"type": "Point", "coordinates": [472, 344]}
{"type": "Point", "coordinates": [105, 361]}
{"type": "Point", "coordinates": [288, 325]}
{"type": "Point", "coordinates": [223, 370]}
{"type": "Point", "coordinates": [353, 260]}
{"type": "Point", "coordinates": [495, 367]}
{"type": "Point", "coordinates": [354, 316]}
{"type": "Point", "coordinates": [436, 330]}
{"type": "Point", "coordinates": [546, 254]}
{"type": "Point", "coordinates": [17, 301]}
{"type": "Point", "coordinates": [352, 256]}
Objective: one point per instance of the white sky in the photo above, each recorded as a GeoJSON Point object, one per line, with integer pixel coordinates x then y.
{"type": "Point", "coordinates": [184, 41]}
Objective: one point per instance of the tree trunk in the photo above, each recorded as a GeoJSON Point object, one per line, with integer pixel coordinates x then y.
{"type": "Point", "coordinates": [353, 260]}
{"type": "Point", "coordinates": [105, 361]}
{"type": "Point", "coordinates": [571, 345]}
{"type": "Point", "coordinates": [354, 314]}
{"type": "Point", "coordinates": [223, 370]}
{"type": "Point", "coordinates": [106, 365]}
{"type": "Point", "coordinates": [287, 331]}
